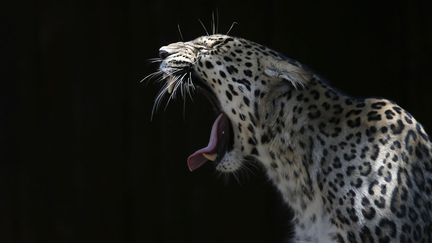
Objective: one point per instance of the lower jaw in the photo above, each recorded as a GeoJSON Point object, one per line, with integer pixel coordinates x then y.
{"type": "Point", "coordinates": [220, 142]}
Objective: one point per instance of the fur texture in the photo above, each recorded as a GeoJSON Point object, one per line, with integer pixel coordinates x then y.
{"type": "Point", "coordinates": [353, 170]}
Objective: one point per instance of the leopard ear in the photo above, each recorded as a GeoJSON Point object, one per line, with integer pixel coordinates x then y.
{"type": "Point", "coordinates": [286, 69]}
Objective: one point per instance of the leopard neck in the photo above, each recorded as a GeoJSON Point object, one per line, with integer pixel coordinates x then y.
{"type": "Point", "coordinates": [290, 138]}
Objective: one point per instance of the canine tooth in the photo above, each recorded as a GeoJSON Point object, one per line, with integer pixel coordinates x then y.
{"type": "Point", "coordinates": [170, 85]}
{"type": "Point", "coordinates": [170, 88]}
{"type": "Point", "coordinates": [211, 157]}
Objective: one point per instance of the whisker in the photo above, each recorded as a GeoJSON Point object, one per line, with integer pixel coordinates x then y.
{"type": "Point", "coordinates": [177, 85]}
{"type": "Point", "coordinates": [236, 177]}
{"type": "Point", "coordinates": [179, 30]}
{"type": "Point", "coordinates": [217, 20]}
{"type": "Point", "coordinates": [188, 91]}
{"type": "Point", "coordinates": [190, 78]}
{"type": "Point", "coordinates": [189, 86]}
{"type": "Point", "coordinates": [181, 86]}
{"type": "Point", "coordinates": [160, 96]}
{"type": "Point", "coordinates": [151, 75]}
{"type": "Point", "coordinates": [202, 24]}
{"type": "Point", "coordinates": [174, 92]}
{"type": "Point", "coordinates": [158, 99]}
{"type": "Point", "coordinates": [154, 59]}
{"type": "Point", "coordinates": [170, 97]}
{"type": "Point", "coordinates": [184, 89]}
{"type": "Point", "coordinates": [213, 24]}
{"type": "Point", "coordinates": [232, 25]}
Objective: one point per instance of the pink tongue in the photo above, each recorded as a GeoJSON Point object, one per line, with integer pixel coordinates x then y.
{"type": "Point", "coordinates": [197, 159]}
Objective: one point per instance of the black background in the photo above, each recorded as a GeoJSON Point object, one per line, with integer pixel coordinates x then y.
{"type": "Point", "coordinates": [80, 159]}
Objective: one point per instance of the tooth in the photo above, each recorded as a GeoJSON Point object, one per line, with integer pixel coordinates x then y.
{"type": "Point", "coordinates": [170, 85]}
{"type": "Point", "coordinates": [211, 157]}
{"type": "Point", "coordinates": [170, 88]}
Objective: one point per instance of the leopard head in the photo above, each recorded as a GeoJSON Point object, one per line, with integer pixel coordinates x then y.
{"type": "Point", "coordinates": [237, 76]}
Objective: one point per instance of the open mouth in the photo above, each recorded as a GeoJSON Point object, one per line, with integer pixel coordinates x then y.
{"type": "Point", "coordinates": [217, 146]}
{"type": "Point", "coordinates": [221, 134]}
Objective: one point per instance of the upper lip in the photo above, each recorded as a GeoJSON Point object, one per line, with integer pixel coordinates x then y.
{"type": "Point", "coordinates": [171, 75]}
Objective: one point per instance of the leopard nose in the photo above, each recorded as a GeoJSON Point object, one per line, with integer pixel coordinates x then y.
{"type": "Point", "coordinates": [163, 53]}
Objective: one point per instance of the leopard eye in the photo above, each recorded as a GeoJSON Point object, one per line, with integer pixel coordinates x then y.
{"type": "Point", "coordinates": [216, 43]}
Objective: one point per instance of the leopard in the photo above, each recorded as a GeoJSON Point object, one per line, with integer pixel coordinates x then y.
{"type": "Point", "coordinates": [351, 169]}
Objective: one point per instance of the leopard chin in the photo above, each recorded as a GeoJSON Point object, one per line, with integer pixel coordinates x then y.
{"type": "Point", "coordinates": [231, 162]}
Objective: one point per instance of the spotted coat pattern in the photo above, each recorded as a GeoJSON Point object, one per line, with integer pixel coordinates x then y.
{"type": "Point", "coordinates": [353, 170]}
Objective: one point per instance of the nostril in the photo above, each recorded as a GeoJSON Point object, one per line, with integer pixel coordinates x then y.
{"type": "Point", "coordinates": [163, 54]}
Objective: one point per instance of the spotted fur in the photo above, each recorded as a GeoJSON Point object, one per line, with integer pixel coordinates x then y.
{"type": "Point", "coordinates": [353, 170]}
